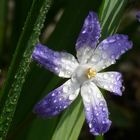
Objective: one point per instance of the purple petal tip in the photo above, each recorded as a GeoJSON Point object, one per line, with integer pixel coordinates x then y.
{"type": "Point", "coordinates": [138, 16]}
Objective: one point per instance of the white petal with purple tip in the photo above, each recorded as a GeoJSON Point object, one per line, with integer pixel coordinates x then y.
{"type": "Point", "coordinates": [109, 50]}
{"type": "Point", "coordinates": [61, 63]}
{"type": "Point", "coordinates": [111, 81]}
{"type": "Point", "coordinates": [58, 99]}
{"type": "Point", "coordinates": [95, 109]}
{"type": "Point", "coordinates": [88, 37]}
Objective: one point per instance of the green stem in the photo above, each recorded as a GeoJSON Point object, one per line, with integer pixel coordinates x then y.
{"type": "Point", "coordinates": [101, 137]}
{"type": "Point", "coordinates": [27, 41]}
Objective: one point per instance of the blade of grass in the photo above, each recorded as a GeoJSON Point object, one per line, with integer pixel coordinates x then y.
{"type": "Point", "coordinates": [28, 39]}
{"type": "Point", "coordinates": [99, 138]}
{"type": "Point", "coordinates": [110, 16]}
{"type": "Point", "coordinates": [21, 10]}
{"type": "Point", "coordinates": [70, 121]}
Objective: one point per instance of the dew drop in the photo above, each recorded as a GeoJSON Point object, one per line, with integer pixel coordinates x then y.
{"type": "Point", "coordinates": [111, 75]}
{"type": "Point", "coordinates": [54, 101]}
{"type": "Point", "coordinates": [110, 86]}
{"type": "Point", "coordinates": [104, 56]}
{"type": "Point", "coordinates": [88, 109]}
{"type": "Point", "coordinates": [104, 109]}
{"type": "Point", "coordinates": [86, 98]}
{"type": "Point", "coordinates": [98, 95]}
{"type": "Point", "coordinates": [101, 103]}
{"type": "Point", "coordinates": [90, 125]}
{"type": "Point", "coordinates": [65, 89]}
{"type": "Point", "coordinates": [113, 57]}
{"type": "Point", "coordinates": [122, 88]}
{"type": "Point", "coordinates": [64, 106]}
{"type": "Point", "coordinates": [105, 76]}
{"type": "Point", "coordinates": [118, 78]}
{"type": "Point", "coordinates": [72, 96]}
{"type": "Point", "coordinates": [97, 114]}
{"type": "Point", "coordinates": [122, 51]}
{"type": "Point", "coordinates": [105, 86]}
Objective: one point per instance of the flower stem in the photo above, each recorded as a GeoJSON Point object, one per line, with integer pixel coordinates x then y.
{"type": "Point", "coordinates": [101, 137]}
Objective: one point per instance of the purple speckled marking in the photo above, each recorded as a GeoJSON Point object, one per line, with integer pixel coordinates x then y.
{"type": "Point", "coordinates": [115, 45]}
{"type": "Point", "coordinates": [111, 81]}
{"type": "Point", "coordinates": [96, 111]}
{"type": "Point", "coordinates": [138, 16]}
{"type": "Point", "coordinates": [57, 100]}
{"type": "Point", "coordinates": [97, 118]}
{"type": "Point", "coordinates": [46, 57]}
{"type": "Point", "coordinates": [61, 63]}
{"type": "Point", "coordinates": [109, 50]}
{"type": "Point", "coordinates": [52, 104]}
{"type": "Point", "coordinates": [90, 32]}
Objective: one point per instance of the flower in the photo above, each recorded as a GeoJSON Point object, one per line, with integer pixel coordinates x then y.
{"type": "Point", "coordinates": [84, 73]}
{"type": "Point", "coordinates": [138, 16]}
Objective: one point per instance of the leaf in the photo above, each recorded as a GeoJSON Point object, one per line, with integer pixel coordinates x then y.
{"type": "Point", "coordinates": [110, 16]}
{"type": "Point", "coordinates": [21, 9]}
{"type": "Point", "coordinates": [70, 122]}
{"type": "Point", "coordinates": [25, 46]}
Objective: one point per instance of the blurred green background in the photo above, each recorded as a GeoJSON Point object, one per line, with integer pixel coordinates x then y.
{"type": "Point", "coordinates": [62, 26]}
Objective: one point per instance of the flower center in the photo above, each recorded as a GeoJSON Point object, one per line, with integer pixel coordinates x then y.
{"type": "Point", "coordinates": [90, 73]}
{"type": "Point", "coordinates": [84, 73]}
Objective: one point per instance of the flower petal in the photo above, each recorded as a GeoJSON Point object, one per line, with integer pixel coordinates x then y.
{"type": "Point", "coordinates": [88, 37]}
{"type": "Point", "coordinates": [109, 50]}
{"type": "Point", "coordinates": [63, 64]}
{"type": "Point", "coordinates": [138, 16]}
{"type": "Point", "coordinates": [111, 81]}
{"type": "Point", "coordinates": [95, 109]}
{"type": "Point", "coordinates": [57, 100]}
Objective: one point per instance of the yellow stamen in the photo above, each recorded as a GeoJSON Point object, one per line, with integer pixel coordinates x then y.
{"type": "Point", "coordinates": [90, 73]}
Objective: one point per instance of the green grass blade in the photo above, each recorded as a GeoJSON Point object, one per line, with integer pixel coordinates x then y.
{"type": "Point", "coordinates": [110, 15]}
{"type": "Point", "coordinates": [99, 138]}
{"type": "Point", "coordinates": [70, 122]}
{"type": "Point", "coordinates": [28, 39]}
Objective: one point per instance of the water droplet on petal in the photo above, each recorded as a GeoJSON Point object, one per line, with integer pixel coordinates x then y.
{"type": "Point", "coordinates": [72, 96]}
{"type": "Point", "coordinates": [112, 57]}
{"type": "Point", "coordinates": [97, 114]}
{"type": "Point", "coordinates": [65, 89]}
{"type": "Point", "coordinates": [104, 109]}
{"type": "Point", "coordinates": [105, 86]}
{"type": "Point", "coordinates": [65, 107]}
{"type": "Point", "coordinates": [110, 86]}
{"type": "Point", "coordinates": [101, 103]}
{"type": "Point", "coordinates": [90, 125]}
{"type": "Point", "coordinates": [105, 76]}
{"type": "Point", "coordinates": [54, 101]}
{"type": "Point", "coordinates": [88, 109]}
{"type": "Point", "coordinates": [86, 98]}
{"type": "Point", "coordinates": [98, 95]}
{"type": "Point", "coordinates": [122, 88]}
{"type": "Point", "coordinates": [104, 56]}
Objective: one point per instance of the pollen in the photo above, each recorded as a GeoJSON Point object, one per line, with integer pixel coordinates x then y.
{"type": "Point", "coordinates": [90, 73]}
